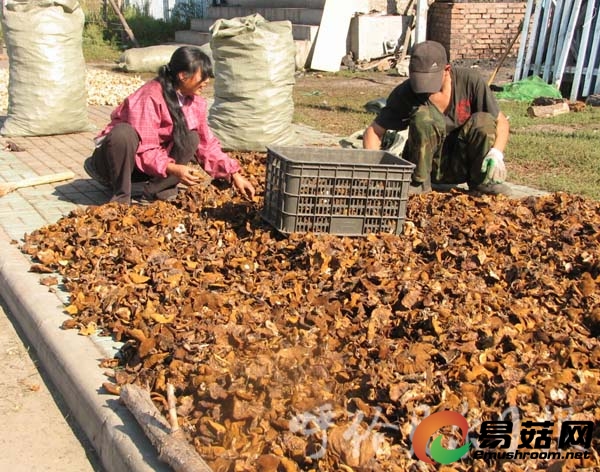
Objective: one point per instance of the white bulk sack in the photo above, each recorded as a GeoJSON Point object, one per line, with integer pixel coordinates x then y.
{"type": "Point", "coordinates": [47, 80]}
{"type": "Point", "coordinates": [254, 64]}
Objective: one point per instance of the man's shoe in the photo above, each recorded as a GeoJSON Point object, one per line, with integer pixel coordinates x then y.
{"type": "Point", "coordinates": [419, 188]}
{"type": "Point", "coordinates": [493, 189]}
{"type": "Point", "coordinates": [90, 169]}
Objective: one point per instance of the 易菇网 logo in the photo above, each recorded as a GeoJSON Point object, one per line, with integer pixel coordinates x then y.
{"type": "Point", "coordinates": [439, 453]}
{"type": "Point", "coordinates": [497, 439]}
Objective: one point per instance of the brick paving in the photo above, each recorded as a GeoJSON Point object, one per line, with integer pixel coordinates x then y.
{"type": "Point", "coordinates": [27, 209]}
{"type": "Point", "coordinates": [70, 361]}
{"type": "Point", "coordinates": [24, 210]}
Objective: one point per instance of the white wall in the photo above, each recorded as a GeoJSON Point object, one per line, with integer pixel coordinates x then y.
{"type": "Point", "coordinates": [368, 33]}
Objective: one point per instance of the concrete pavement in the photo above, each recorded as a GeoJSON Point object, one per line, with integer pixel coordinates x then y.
{"type": "Point", "coordinates": [70, 361]}
{"type": "Point", "coordinates": [35, 422]}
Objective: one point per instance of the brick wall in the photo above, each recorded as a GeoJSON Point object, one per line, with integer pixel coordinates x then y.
{"type": "Point", "coordinates": [481, 30]}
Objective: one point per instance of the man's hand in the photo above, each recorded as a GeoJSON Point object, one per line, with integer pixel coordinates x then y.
{"type": "Point", "coordinates": [243, 186]}
{"type": "Point", "coordinates": [493, 166]}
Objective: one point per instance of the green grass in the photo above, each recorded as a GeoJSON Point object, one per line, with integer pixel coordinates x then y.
{"type": "Point", "coordinates": [97, 47]}
{"type": "Point", "coordinates": [149, 31]}
{"type": "Point", "coordinates": [517, 112]}
{"type": "Point", "coordinates": [334, 103]}
{"type": "Point", "coordinates": [555, 163]}
{"type": "Point", "coordinates": [105, 43]}
{"type": "Point", "coordinates": [560, 153]}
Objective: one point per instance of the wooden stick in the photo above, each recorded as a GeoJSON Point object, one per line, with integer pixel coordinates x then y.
{"type": "Point", "coordinates": [381, 64]}
{"type": "Point", "coordinates": [33, 181]}
{"type": "Point", "coordinates": [124, 23]}
{"type": "Point", "coordinates": [171, 400]}
{"type": "Point", "coordinates": [172, 447]}
{"type": "Point", "coordinates": [403, 46]}
{"type": "Point", "coordinates": [505, 55]}
{"type": "Point", "coordinates": [407, 35]}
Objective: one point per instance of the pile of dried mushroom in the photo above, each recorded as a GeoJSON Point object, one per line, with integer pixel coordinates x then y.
{"type": "Point", "coordinates": [315, 352]}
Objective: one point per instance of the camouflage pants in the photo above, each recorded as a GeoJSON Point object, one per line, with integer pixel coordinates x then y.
{"type": "Point", "coordinates": [452, 158]}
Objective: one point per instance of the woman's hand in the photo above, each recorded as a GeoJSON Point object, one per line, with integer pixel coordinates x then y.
{"type": "Point", "coordinates": [184, 173]}
{"type": "Point", "coordinates": [243, 186]}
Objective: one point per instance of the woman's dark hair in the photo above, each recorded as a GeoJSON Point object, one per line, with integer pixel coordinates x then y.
{"type": "Point", "coordinates": [186, 59]}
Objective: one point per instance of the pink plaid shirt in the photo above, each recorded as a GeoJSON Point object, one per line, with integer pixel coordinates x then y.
{"type": "Point", "coordinates": [147, 112]}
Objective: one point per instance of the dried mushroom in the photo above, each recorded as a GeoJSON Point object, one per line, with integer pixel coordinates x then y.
{"type": "Point", "coordinates": [315, 352]}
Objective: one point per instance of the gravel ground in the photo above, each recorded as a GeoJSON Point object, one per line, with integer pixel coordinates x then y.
{"type": "Point", "coordinates": [104, 87]}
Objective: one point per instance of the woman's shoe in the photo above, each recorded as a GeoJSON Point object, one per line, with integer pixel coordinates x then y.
{"type": "Point", "coordinates": [90, 169]}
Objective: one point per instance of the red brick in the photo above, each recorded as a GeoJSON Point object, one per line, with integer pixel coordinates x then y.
{"type": "Point", "coordinates": [475, 30]}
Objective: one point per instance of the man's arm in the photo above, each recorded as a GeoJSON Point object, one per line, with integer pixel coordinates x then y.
{"type": "Point", "coordinates": [373, 136]}
{"type": "Point", "coordinates": [483, 100]}
{"type": "Point", "coordinates": [502, 131]}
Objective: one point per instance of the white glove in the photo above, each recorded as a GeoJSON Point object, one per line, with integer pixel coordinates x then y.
{"type": "Point", "coordinates": [493, 166]}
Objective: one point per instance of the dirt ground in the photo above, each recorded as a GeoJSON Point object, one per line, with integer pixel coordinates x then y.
{"type": "Point", "coordinates": [335, 103]}
{"type": "Point", "coordinates": [486, 68]}
{"type": "Point", "coordinates": [36, 433]}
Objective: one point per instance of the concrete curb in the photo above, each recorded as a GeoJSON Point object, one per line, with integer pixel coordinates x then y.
{"type": "Point", "coordinates": [71, 362]}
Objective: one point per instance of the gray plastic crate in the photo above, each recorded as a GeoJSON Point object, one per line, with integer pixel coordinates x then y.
{"type": "Point", "coordinates": [347, 192]}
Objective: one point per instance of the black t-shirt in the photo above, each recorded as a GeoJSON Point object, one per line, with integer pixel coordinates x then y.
{"type": "Point", "coordinates": [470, 94]}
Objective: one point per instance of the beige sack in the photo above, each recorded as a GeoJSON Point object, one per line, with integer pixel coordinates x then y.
{"type": "Point", "coordinates": [151, 58]}
{"type": "Point", "coordinates": [254, 62]}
